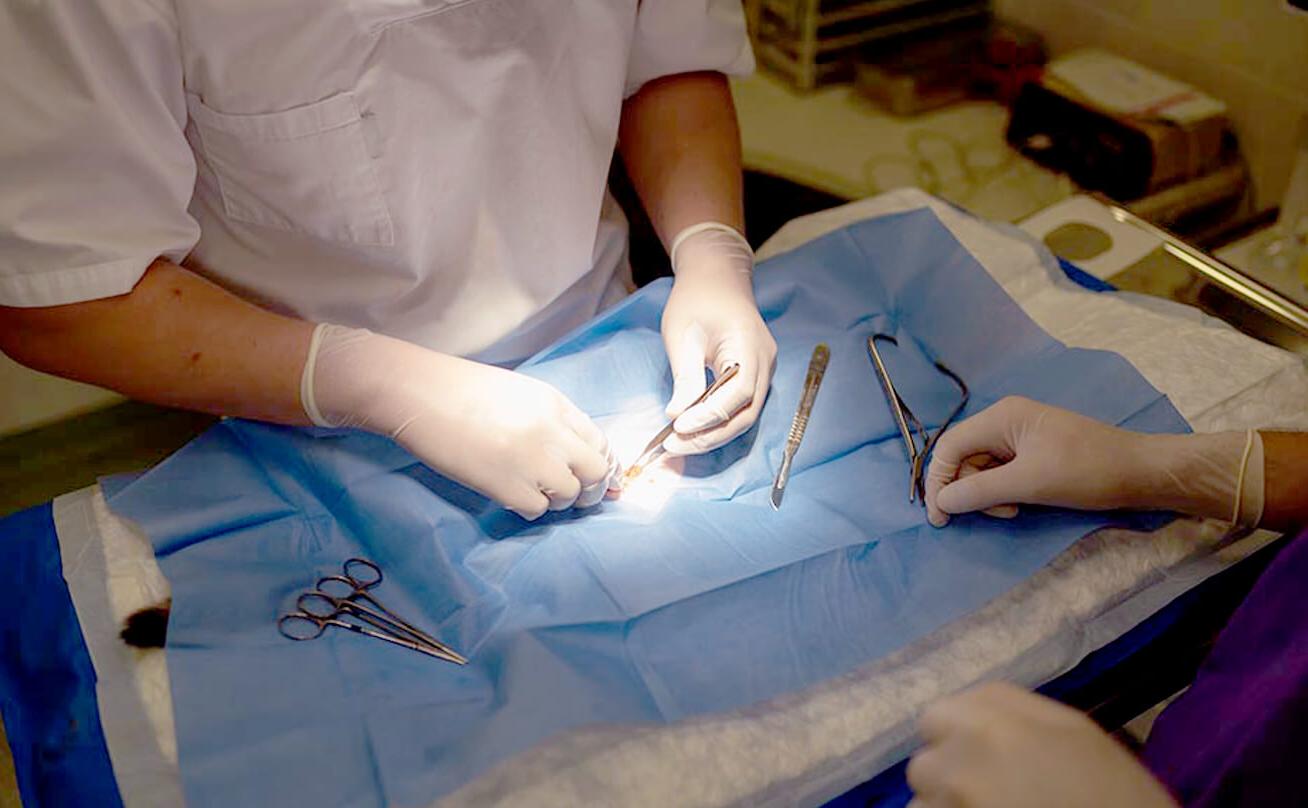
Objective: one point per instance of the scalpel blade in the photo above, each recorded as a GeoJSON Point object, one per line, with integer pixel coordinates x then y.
{"type": "Point", "coordinates": [779, 485]}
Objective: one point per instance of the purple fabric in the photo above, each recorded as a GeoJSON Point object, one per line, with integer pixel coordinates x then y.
{"type": "Point", "coordinates": [1239, 735]}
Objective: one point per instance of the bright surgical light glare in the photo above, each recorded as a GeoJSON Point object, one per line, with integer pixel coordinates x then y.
{"type": "Point", "coordinates": [628, 435]}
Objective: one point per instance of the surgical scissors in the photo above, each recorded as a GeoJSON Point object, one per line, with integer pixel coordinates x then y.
{"type": "Point", "coordinates": [904, 417]}
{"type": "Point", "coordinates": [337, 596]}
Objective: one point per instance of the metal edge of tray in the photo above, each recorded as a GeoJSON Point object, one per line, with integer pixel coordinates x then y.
{"type": "Point", "coordinates": [1256, 294]}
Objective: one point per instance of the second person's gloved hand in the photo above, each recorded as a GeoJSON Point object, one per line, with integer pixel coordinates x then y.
{"type": "Point", "coordinates": [513, 438]}
{"type": "Point", "coordinates": [1020, 451]}
{"type": "Point", "coordinates": [711, 320]}
{"type": "Point", "coordinates": [997, 746]}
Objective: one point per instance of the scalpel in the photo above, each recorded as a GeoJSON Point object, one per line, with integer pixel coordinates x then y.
{"type": "Point", "coordinates": [817, 367]}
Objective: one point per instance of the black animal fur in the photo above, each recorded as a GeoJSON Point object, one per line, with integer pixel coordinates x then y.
{"type": "Point", "coordinates": [148, 628]}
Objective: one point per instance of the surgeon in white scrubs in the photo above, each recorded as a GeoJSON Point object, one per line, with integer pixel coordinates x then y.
{"type": "Point", "coordinates": [353, 213]}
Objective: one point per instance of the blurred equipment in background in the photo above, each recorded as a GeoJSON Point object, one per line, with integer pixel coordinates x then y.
{"type": "Point", "coordinates": [1014, 56]}
{"type": "Point", "coordinates": [1110, 242]}
{"type": "Point", "coordinates": [918, 73]}
{"type": "Point", "coordinates": [1283, 252]}
{"type": "Point", "coordinates": [812, 42]}
{"type": "Point", "coordinates": [1132, 134]}
{"type": "Point", "coordinates": [914, 73]}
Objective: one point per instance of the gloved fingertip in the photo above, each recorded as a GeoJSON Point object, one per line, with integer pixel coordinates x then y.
{"type": "Point", "coordinates": [938, 518]}
{"type": "Point", "coordinates": [947, 498]}
{"type": "Point", "coordinates": [687, 383]}
{"type": "Point", "coordinates": [676, 446]}
{"type": "Point", "coordinates": [966, 495]}
{"type": "Point", "coordinates": [675, 407]}
{"type": "Point", "coordinates": [681, 401]}
{"type": "Point", "coordinates": [697, 419]}
{"type": "Point", "coordinates": [695, 444]}
{"type": "Point", "coordinates": [591, 495]}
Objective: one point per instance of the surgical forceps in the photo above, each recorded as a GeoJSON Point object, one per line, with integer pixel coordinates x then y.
{"type": "Point", "coordinates": [904, 417]}
{"type": "Point", "coordinates": [335, 597]}
{"type": "Point", "coordinates": [654, 449]}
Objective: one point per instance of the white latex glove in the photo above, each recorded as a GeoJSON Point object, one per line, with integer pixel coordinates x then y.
{"type": "Point", "coordinates": [711, 320]}
{"type": "Point", "coordinates": [508, 436]}
{"type": "Point", "coordinates": [1022, 451]}
{"type": "Point", "coordinates": [998, 746]}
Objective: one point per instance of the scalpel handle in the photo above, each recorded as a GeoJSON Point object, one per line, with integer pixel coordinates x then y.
{"type": "Point", "coordinates": [817, 368]}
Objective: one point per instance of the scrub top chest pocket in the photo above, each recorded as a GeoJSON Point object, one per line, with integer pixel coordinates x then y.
{"type": "Point", "coordinates": [306, 169]}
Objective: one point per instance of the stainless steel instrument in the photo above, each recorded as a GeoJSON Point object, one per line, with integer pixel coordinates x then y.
{"type": "Point", "coordinates": [654, 449]}
{"type": "Point", "coordinates": [817, 368]}
{"type": "Point", "coordinates": [343, 601]}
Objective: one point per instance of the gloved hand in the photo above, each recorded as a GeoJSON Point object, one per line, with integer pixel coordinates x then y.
{"type": "Point", "coordinates": [508, 436]}
{"type": "Point", "coordinates": [1022, 451]}
{"type": "Point", "coordinates": [998, 746]}
{"type": "Point", "coordinates": [712, 320]}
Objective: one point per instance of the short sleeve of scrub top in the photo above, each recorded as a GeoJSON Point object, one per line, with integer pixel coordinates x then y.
{"type": "Point", "coordinates": [684, 36]}
{"type": "Point", "coordinates": [97, 171]}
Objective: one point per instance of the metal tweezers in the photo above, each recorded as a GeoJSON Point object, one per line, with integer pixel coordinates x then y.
{"type": "Point", "coordinates": [905, 418]}
{"type": "Point", "coordinates": [654, 449]}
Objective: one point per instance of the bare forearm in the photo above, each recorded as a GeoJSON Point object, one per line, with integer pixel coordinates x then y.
{"type": "Point", "coordinates": [176, 340]}
{"type": "Point", "coordinates": [1285, 475]}
{"type": "Point", "coordinates": [681, 145]}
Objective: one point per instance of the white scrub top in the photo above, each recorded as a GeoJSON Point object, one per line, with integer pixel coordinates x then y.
{"type": "Point", "coordinates": [431, 169]}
